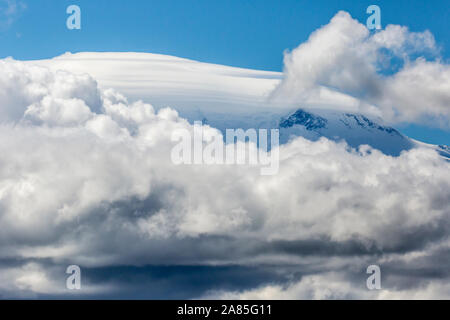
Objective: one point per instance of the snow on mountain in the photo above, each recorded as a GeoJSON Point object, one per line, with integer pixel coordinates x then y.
{"type": "Point", "coordinates": [355, 129]}
{"type": "Point", "coordinates": [443, 150]}
{"type": "Point", "coordinates": [229, 97]}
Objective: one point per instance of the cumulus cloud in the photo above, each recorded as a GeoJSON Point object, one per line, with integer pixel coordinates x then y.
{"type": "Point", "coordinates": [393, 73]}
{"type": "Point", "coordinates": [86, 178]}
{"type": "Point", "coordinates": [43, 95]}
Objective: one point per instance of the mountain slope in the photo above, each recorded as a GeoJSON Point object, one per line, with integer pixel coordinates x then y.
{"type": "Point", "coordinates": [355, 129]}
{"type": "Point", "coordinates": [228, 97]}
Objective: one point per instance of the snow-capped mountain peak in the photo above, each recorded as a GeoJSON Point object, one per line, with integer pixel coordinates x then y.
{"type": "Point", "coordinates": [303, 118]}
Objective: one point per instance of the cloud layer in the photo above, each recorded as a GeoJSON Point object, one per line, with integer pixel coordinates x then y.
{"type": "Point", "coordinates": [86, 178]}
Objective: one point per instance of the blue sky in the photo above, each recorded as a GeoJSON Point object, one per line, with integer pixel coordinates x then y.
{"type": "Point", "coordinates": [251, 34]}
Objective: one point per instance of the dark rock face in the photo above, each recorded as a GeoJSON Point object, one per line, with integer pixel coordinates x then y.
{"type": "Point", "coordinates": [303, 118]}
{"type": "Point", "coordinates": [364, 122]}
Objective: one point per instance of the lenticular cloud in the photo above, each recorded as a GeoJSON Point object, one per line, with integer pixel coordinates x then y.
{"type": "Point", "coordinates": [86, 178]}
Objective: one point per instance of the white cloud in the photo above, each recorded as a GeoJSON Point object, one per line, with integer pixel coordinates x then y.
{"type": "Point", "coordinates": [421, 89]}
{"type": "Point", "coordinates": [345, 57]}
{"type": "Point", "coordinates": [37, 91]}
{"type": "Point", "coordinates": [332, 286]}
